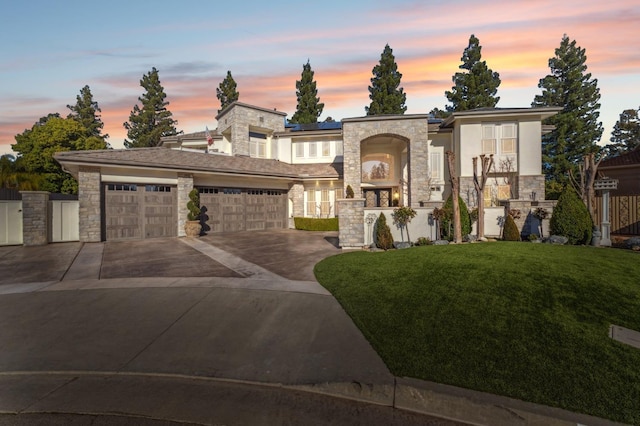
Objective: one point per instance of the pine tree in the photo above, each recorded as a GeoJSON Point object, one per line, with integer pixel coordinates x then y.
{"type": "Point", "coordinates": [148, 124]}
{"type": "Point", "coordinates": [577, 129]}
{"type": "Point", "coordinates": [227, 91]}
{"type": "Point", "coordinates": [626, 134]}
{"type": "Point", "coordinates": [309, 107]}
{"type": "Point", "coordinates": [87, 112]}
{"type": "Point", "coordinates": [477, 87]}
{"type": "Point", "coordinates": [387, 97]}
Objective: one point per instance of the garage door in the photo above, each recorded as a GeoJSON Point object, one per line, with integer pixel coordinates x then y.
{"type": "Point", "coordinates": [140, 211]}
{"type": "Point", "coordinates": [237, 209]}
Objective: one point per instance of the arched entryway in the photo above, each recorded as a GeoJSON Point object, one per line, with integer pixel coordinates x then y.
{"type": "Point", "coordinates": [384, 174]}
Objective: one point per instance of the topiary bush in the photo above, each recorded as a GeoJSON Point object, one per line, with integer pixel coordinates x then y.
{"type": "Point", "coordinates": [384, 239]}
{"type": "Point", "coordinates": [447, 222]}
{"type": "Point", "coordinates": [193, 205]}
{"type": "Point", "coordinates": [349, 191]}
{"type": "Point", "coordinates": [510, 231]}
{"type": "Point", "coordinates": [571, 218]}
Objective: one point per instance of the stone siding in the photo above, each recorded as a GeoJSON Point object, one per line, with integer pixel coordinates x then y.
{"type": "Point", "coordinates": [413, 130]}
{"type": "Point", "coordinates": [35, 218]}
{"type": "Point", "coordinates": [240, 118]}
{"type": "Point", "coordinates": [529, 184]}
{"type": "Point", "coordinates": [351, 223]}
{"type": "Point", "coordinates": [528, 223]}
{"type": "Point", "coordinates": [90, 205]}
{"type": "Point", "coordinates": [296, 195]}
{"type": "Point", "coordinates": [185, 185]}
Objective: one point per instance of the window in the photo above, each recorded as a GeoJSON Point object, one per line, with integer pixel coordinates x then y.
{"type": "Point", "coordinates": [157, 188]}
{"type": "Point", "coordinates": [508, 139]}
{"type": "Point", "coordinates": [326, 149]}
{"type": "Point", "coordinates": [339, 148]}
{"type": "Point", "coordinates": [436, 165]}
{"type": "Point", "coordinates": [313, 149]}
{"type": "Point", "coordinates": [299, 150]}
{"type": "Point", "coordinates": [377, 167]}
{"type": "Point", "coordinates": [311, 203]}
{"type": "Point", "coordinates": [489, 139]}
{"type": "Point", "coordinates": [257, 145]}
{"type": "Point", "coordinates": [338, 195]}
{"type": "Point", "coordinates": [122, 187]}
{"type": "Point", "coordinates": [274, 148]}
{"type": "Point", "coordinates": [325, 203]}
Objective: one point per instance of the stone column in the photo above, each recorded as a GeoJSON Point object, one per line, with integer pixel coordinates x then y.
{"type": "Point", "coordinates": [35, 218]}
{"type": "Point", "coordinates": [90, 205]}
{"type": "Point", "coordinates": [418, 166]}
{"type": "Point", "coordinates": [351, 223]}
{"type": "Point", "coordinates": [185, 185]}
{"type": "Point", "coordinates": [296, 195]}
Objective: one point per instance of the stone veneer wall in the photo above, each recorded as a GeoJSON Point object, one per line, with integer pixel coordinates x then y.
{"type": "Point", "coordinates": [35, 218]}
{"type": "Point", "coordinates": [296, 195]}
{"type": "Point", "coordinates": [527, 223]}
{"type": "Point", "coordinates": [90, 205]}
{"type": "Point", "coordinates": [351, 223]}
{"type": "Point", "coordinates": [529, 184]}
{"type": "Point", "coordinates": [185, 185]}
{"type": "Point", "coordinates": [414, 130]}
{"type": "Point", "coordinates": [239, 118]}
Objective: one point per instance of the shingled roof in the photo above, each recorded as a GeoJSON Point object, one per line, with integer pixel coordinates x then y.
{"type": "Point", "coordinates": [631, 158]}
{"type": "Point", "coordinates": [165, 158]}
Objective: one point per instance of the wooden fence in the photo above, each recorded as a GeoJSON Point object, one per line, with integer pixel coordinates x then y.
{"type": "Point", "coordinates": [624, 214]}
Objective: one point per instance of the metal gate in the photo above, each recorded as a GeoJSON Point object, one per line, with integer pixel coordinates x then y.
{"type": "Point", "coordinates": [237, 209]}
{"type": "Point", "coordinates": [140, 211]}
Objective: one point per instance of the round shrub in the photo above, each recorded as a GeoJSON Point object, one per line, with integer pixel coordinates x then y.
{"type": "Point", "coordinates": [571, 218]}
{"type": "Point", "coordinates": [447, 223]}
{"type": "Point", "coordinates": [510, 232]}
{"type": "Point", "coordinates": [384, 239]}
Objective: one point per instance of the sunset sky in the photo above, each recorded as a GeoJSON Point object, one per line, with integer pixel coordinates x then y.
{"type": "Point", "coordinates": [49, 52]}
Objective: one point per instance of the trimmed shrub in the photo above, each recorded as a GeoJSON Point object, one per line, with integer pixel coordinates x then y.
{"type": "Point", "coordinates": [349, 191]}
{"type": "Point", "coordinates": [510, 232]}
{"type": "Point", "coordinates": [384, 239]}
{"type": "Point", "coordinates": [316, 224]}
{"type": "Point", "coordinates": [571, 218]}
{"type": "Point", "coordinates": [447, 223]}
{"type": "Point", "coordinates": [193, 205]}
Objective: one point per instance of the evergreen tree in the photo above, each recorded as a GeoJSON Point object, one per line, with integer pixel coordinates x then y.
{"type": "Point", "coordinates": [577, 129]}
{"type": "Point", "coordinates": [626, 134]}
{"type": "Point", "coordinates": [87, 112]}
{"type": "Point", "coordinates": [227, 91]}
{"type": "Point", "coordinates": [148, 124]}
{"type": "Point", "coordinates": [477, 87]}
{"type": "Point", "coordinates": [439, 113]}
{"type": "Point", "coordinates": [309, 107]}
{"type": "Point", "coordinates": [571, 218]}
{"type": "Point", "coordinates": [387, 97]}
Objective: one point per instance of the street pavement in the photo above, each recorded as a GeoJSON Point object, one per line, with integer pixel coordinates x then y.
{"type": "Point", "coordinates": [225, 329]}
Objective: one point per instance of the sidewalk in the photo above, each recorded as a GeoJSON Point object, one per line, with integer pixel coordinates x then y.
{"type": "Point", "coordinates": [249, 347]}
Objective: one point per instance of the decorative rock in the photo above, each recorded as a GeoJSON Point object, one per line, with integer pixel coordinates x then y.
{"type": "Point", "coordinates": [441, 242]}
{"type": "Point", "coordinates": [633, 242]}
{"type": "Point", "coordinates": [470, 238]}
{"type": "Point", "coordinates": [401, 245]}
{"type": "Point", "coordinates": [557, 239]}
{"type": "Point", "coordinates": [483, 239]}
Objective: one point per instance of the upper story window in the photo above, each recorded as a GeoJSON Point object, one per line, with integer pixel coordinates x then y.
{"type": "Point", "coordinates": [499, 139]}
{"type": "Point", "coordinates": [435, 165]}
{"type": "Point", "coordinates": [299, 150]}
{"type": "Point", "coordinates": [313, 150]}
{"type": "Point", "coordinates": [339, 148]}
{"type": "Point", "coordinates": [257, 145]}
{"type": "Point", "coordinates": [326, 149]}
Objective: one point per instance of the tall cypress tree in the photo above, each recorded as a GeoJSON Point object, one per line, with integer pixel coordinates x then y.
{"type": "Point", "coordinates": [309, 107]}
{"type": "Point", "coordinates": [626, 134]}
{"type": "Point", "coordinates": [387, 97]}
{"type": "Point", "coordinates": [577, 129]}
{"type": "Point", "coordinates": [477, 87]}
{"type": "Point", "coordinates": [87, 112]}
{"type": "Point", "coordinates": [148, 124]}
{"type": "Point", "coordinates": [227, 91]}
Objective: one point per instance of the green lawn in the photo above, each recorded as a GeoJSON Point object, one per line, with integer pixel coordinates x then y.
{"type": "Point", "coordinates": [529, 321]}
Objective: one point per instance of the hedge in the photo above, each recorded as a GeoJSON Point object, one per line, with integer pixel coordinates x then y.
{"type": "Point", "coordinates": [316, 224]}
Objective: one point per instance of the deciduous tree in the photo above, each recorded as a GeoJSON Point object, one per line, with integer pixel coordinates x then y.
{"type": "Point", "coordinates": [576, 128]}
{"type": "Point", "coordinates": [51, 134]}
{"type": "Point", "coordinates": [152, 121]}
{"type": "Point", "coordinates": [477, 85]}
{"type": "Point", "coordinates": [387, 97]}
{"type": "Point", "coordinates": [455, 195]}
{"type": "Point", "coordinates": [309, 107]}
{"type": "Point", "coordinates": [227, 91]}
{"type": "Point", "coordinates": [479, 183]}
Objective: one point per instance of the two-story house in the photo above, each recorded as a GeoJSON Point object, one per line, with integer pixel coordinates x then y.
{"type": "Point", "coordinates": [256, 171]}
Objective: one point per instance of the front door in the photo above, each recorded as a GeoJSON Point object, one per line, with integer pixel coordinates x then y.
{"type": "Point", "coordinates": [380, 197]}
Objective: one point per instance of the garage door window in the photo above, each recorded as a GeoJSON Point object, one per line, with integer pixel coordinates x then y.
{"type": "Point", "coordinates": [157, 188]}
{"type": "Point", "coordinates": [122, 187]}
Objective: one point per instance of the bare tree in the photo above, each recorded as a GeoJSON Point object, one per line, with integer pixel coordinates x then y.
{"type": "Point", "coordinates": [455, 194]}
{"type": "Point", "coordinates": [479, 184]}
{"type": "Point", "coordinates": [583, 183]}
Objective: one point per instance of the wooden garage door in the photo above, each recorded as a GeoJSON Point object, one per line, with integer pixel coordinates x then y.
{"type": "Point", "coordinates": [140, 211]}
{"type": "Point", "coordinates": [236, 209]}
